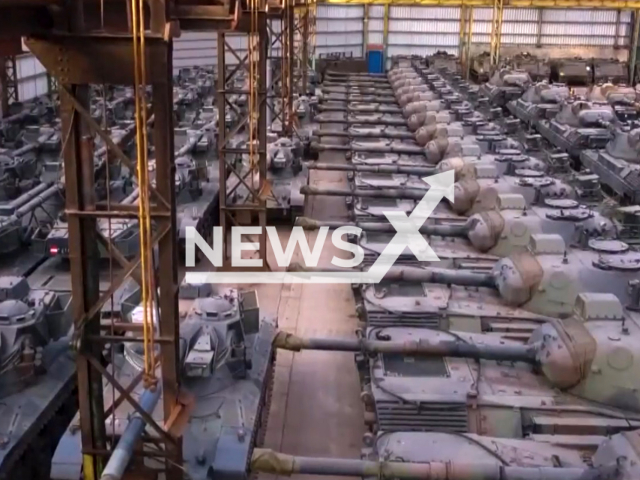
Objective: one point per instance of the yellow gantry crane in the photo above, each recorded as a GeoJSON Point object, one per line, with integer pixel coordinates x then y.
{"type": "Point", "coordinates": [496, 32]}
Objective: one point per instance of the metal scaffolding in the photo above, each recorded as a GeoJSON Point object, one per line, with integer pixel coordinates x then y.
{"type": "Point", "coordinates": [252, 124]}
{"type": "Point", "coordinates": [466, 39]}
{"type": "Point", "coordinates": [496, 32]}
{"type": "Point", "coordinates": [97, 49]}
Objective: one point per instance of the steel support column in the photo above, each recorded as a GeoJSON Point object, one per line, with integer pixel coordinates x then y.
{"type": "Point", "coordinates": [305, 49]}
{"type": "Point", "coordinates": [633, 51]}
{"type": "Point", "coordinates": [496, 32]}
{"type": "Point", "coordinates": [8, 82]}
{"type": "Point", "coordinates": [466, 38]}
{"type": "Point", "coordinates": [254, 174]}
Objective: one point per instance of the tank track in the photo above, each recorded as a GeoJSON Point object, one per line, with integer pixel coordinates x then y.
{"type": "Point", "coordinates": [31, 459]}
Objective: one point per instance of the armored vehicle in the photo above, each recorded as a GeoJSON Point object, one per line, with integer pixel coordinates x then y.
{"type": "Point", "coordinates": [481, 67]}
{"type": "Point", "coordinates": [438, 455]}
{"type": "Point", "coordinates": [480, 383]}
{"type": "Point", "coordinates": [610, 70]}
{"type": "Point", "coordinates": [442, 61]}
{"type": "Point", "coordinates": [541, 100]}
{"type": "Point", "coordinates": [23, 217]}
{"type": "Point", "coordinates": [542, 280]}
{"type": "Point", "coordinates": [227, 366]}
{"type": "Point", "coordinates": [504, 85]}
{"type": "Point", "coordinates": [286, 174]}
{"type": "Point", "coordinates": [580, 125]}
{"type": "Point", "coordinates": [622, 99]}
{"type": "Point", "coordinates": [572, 71]}
{"type": "Point", "coordinates": [196, 190]}
{"type": "Point", "coordinates": [38, 377]}
{"type": "Point", "coordinates": [618, 164]}
{"type": "Point", "coordinates": [538, 69]}
{"type": "Point", "coordinates": [503, 226]}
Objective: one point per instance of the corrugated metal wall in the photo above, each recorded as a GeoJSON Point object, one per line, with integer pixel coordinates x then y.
{"type": "Point", "coordinates": [375, 31]}
{"type": "Point", "coordinates": [340, 29]}
{"type": "Point", "coordinates": [425, 30]}
{"type": "Point", "coordinates": [412, 30]}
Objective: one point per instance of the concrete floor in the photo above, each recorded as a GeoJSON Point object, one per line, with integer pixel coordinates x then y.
{"type": "Point", "coordinates": [316, 408]}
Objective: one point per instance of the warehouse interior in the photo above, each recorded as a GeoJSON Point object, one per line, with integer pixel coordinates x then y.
{"type": "Point", "coordinates": [492, 335]}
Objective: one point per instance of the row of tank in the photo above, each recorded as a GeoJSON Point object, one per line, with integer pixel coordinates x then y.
{"type": "Point", "coordinates": [515, 348]}
{"type": "Point", "coordinates": [498, 355]}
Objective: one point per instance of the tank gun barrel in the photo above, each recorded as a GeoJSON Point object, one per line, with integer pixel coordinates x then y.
{"type": "Point", "coordinates": [390, 169]}
{"type": "Point", "coordinates": [126, 137]}
{"type": "Point", "coordinates": [419, 348]}
{"type": "Point", "coordinates": [122, 454]}
{"type": "Point", "coordinates": [362, 121]}
{"type": "Point", "coordinates": [417, 275]}
{"type": "Point", "coordinates": [350, 97]}
{"type": "Point", "coordinates": [34, 202]}
{"type": "Point", "coordinates": [408, 149]}
{"type": "Point", "coordinates": [33, 146]}
{"type": "Point", "coordinates": [267, 461]}
{"type": "Point", "coordinates": [398, 193]}
{"type": "Point", "coordinates": [364, 134]}
{"type": "Point", "coordinates": [438, 230]}
{"type": "Point", "coordinates": [191, 143]}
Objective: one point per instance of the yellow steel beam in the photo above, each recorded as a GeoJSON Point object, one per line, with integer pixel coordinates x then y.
{"type": "Point", "coordinates": [591, 4]}
{"type": "Point", "coordinates": [496, 31]}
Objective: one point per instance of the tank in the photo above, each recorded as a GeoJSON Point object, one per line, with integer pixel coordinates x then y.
{"type": "Point", "coordinates": [503, 227]}
{"type": "Point", "coordinates": [227, 364]}
{"type": "Point", "coordinates": [542, 279]}
{"type": "Point", "coordinates": [286, 174]}
{"type": "Point", "coordinates": [542, 100]}
{"type": "Point", "coordinates": [27, 217]}
{"type": "Point", "coordinates": [563, 379]}
{"type": "Point", "coordinates": [504, 85]}
{"type": "Point", "coordinates": [450, 456]}
{"type": "Point", "coordinates": [38, 377]}
{"type": "Point", "coordinates": [196, 193]}
{"type": "Point", "coordinates": [618, 164]}
{"type": "Point", "coordinates": [579, 125]}
{"type": "Point", "coordinates": [372, 195]}
{"type": "Point", "coordinates": [621, 98]}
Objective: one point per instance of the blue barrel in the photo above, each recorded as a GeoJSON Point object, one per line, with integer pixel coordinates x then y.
{"type": "Point", "coordinates": [375, 61]}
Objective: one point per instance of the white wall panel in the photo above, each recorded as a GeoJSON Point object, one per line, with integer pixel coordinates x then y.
{"type": "Point", "coordinates": [32, 77]}
{"type": "Point", "coordinates": [340, 29]}
{"type": "Point", "coordinates": [376, 11]}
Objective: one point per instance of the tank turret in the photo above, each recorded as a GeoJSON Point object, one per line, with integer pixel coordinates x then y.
{"type": "Point", "coordinates": [581, 114]}
{"type": "Point", "coordinates": [617, 166]}
{"type": "Point", "coordinates": [579, 125]}
{"type": "Point", "coordinates": [286, 174]}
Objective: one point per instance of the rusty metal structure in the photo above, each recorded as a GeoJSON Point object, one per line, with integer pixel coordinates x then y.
{"type": "Point", "coordinates": [89, 42]}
